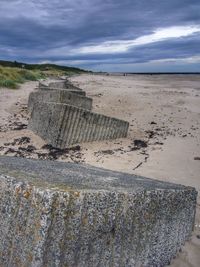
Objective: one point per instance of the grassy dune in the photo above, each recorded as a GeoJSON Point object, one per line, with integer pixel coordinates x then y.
{"type": "Point", "coordinates": [12, 74]}
{"type": "Point", "coordinates": [12, 77]}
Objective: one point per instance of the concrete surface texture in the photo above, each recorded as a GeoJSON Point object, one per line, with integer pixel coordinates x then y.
{"type": "Point", "coordinates": [62, 125]}
{"type": "Point", "coordinates": [72, 90]}
{"type": "Point", "coordinates": [64, 214]}
{"type": "Point", "coordinates": [59, 96]}
{"type": "Point", "coordinates": [61, 85]}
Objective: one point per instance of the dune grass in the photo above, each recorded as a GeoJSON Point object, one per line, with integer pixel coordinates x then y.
{"type": "Point", "coordinates": [12, 77]}
{"type": "Point", "coordinates": [12, 74]}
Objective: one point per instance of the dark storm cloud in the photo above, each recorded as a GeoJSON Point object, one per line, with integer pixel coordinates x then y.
{"type": "Point", "coordinates": [57, 30]}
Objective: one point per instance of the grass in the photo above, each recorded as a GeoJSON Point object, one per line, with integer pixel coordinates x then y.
{"type": "Point", "coordinates": [12, 77]}
{"type": "Point", "coordinates": [12, 74]}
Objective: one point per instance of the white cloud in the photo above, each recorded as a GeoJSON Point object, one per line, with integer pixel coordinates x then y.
{"type": "Point", "coordinates": [120, 46]}
{"type": "Point", "coordinates": [189, 60]}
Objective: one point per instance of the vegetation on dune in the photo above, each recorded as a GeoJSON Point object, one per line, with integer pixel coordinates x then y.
{"type": "Point", "coordinates": [12, 77]}
{"type": "Point", "coordinates": [14, 73]}
{"type": "Point", "coordinates": [42, 67]}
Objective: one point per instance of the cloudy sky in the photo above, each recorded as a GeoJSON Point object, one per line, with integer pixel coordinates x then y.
{"type": "Point", "coordinates": [107, 35]}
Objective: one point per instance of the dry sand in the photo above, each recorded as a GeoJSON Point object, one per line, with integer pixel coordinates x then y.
{"type": "Point", "coordinates": [163, 141]}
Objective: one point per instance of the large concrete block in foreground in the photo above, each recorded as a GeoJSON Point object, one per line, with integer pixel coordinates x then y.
{"type": "Point", "coordinates": [62, 125]}
{"type": "Point", "coordinates": [59, 96]}
{"type": "Point", "coordinates": [62, 214]}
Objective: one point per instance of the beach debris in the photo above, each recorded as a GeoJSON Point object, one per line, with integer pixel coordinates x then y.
{"type": "Point", "coordinates": [55, 153]}
{"type": "Point", "coordinates": [19, 141]}
{"type": "Point", "coordinates": [107, 152]}
{"type": "Point", "coordinates": [19, 126]}
{"type": "Point", "coordinates": [138, 144]}
{"type": "Point", "coordinates": [150, 133]}
{"type": "Point", "coordinates": [159, 143]}
{"type": "Point", "coordinates": [22, 140]}
{"type": "Point", "coordinates": [11, 150]}
{"type": "Point", "coordinates": [138, 166]}
{"type": "Point", "coordinates": [29, 148]}
{"type": "Point", "coordinates": [23, 147]}
{"type": "Point", "coordinates": [97, 95]}
{"type": "Point", "coordinates": [145, 160]}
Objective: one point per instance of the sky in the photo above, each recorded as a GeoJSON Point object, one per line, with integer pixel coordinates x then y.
{"type": "Point", "coordinates": [103, 35]}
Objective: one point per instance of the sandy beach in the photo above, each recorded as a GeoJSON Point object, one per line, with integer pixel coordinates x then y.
{"type": "Point", "coordinates": [163, 141]}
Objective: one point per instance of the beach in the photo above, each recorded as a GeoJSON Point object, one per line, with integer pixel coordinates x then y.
{"type": "Point", "coordinates": [163, 141]}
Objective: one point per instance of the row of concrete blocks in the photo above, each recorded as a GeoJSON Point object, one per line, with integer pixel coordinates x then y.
{"type": "Point", "coordinates": [63, 214]}
{"type": "Point", "coordinates": [63, 117]}
{"type": "Point", "coordinates": [60, 92]}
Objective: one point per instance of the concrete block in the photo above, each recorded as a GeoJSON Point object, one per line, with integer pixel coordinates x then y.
{"type": "Point", "coordinates": [72, 90]}
{"type": "Point", "coordinates": [42, 85]}
{"type": "Point", "coordinates": [63, 214]}
{"type": "Point", "coordinates": [58, 84]}
{"type": "Point", "coordinates": [59, 96]}
{"type": "Point", "coordinates": [63, 85]}
{"type": "Point", "coordinates": [62, 125]}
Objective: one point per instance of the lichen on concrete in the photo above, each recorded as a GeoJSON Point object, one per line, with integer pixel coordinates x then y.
{"type": "Point", "coordinates": [64, 214]}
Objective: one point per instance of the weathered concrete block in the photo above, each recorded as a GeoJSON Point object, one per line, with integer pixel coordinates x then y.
{"type": "Point", "coordinates": [59, 96]}
{"type": "Point", "coordinates": [62, 125]}
{"type": "Point", "coordinates": [42, 85]}
{"type": "Point", "coordinates": [58, 84]}
{"type": "Point", "coordinates": [62, 214]}
{"type": "Point", "coordinates": [74, 91]}
{"type": "Point", "coordinates": [62, 86]}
